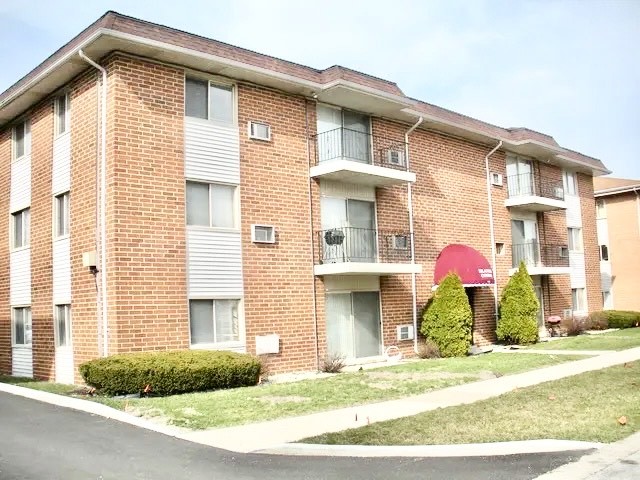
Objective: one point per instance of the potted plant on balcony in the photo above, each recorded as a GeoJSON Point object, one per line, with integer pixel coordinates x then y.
{"type": "Point", "coordinates": [335, 236]}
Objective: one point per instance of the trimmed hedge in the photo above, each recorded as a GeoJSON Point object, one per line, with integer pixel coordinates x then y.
{"type": "Point", "coordinates": [447, 319]}
{"type": "Point", "coordinates": [518, 310]}
{"type": "Point", "coordinates": [169, 373]}
{"type": "Point", "coordinates": [622, 318]}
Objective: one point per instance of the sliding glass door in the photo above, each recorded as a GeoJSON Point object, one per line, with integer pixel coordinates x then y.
{"type": "Point", "coordinates": [354, 223]}
{"type": "Point", "coordinates": [353, 324]}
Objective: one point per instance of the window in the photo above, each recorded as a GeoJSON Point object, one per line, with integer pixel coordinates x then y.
{"type": "Point", "coordinates": [62, 114]}
{"type": "Point", "coordinates": [214, 321]}
{"type": "Point", "coordinates": [259, 131]}
{"type": "Point", "coordinates": [208, 101]}
{"type": "Point", "coordinates": [575, 239]}
{"type": "Point", "coordinates": [570, 185]}
{"type": "Point", "coordinates": [601, 209]}
{"type": "Point", "coordinates": [211, 205]}
{"type": "Point", "coordinates": [578, 300]}
{"type": "Point", "coordinates": [21, 320]}
{"type": "Point", "coordinates": [607, 300]}
{"type": "Point", "coordinates": [263, 234]}
{"type": "Point", "coordinates": [21, 140]}
{"type": "Point", "coordinates": [61, 227]}
{"type": "Point", "coordinates": [20, 224]}
{"type": "Point", "coordinates": [604, 253]}
{"type": "Point", "coordinates": [63, 325]}
{"type": "Point", "coordinates": [500, 248]}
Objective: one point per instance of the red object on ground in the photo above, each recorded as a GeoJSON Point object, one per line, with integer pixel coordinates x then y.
{"type": "Point", "coordinates": [473, 269]}
{"type": "Point", "coordinates": [554, 319]}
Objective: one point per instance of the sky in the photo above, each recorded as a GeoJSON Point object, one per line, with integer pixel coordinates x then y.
{"type": "Point", "coordinates": [570, 69]}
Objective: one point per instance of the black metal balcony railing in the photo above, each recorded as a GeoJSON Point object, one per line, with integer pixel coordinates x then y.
{"type": "Point", "coordinates": [535, 254]}
{"type": "Point", "coordinates": [351, 244]}
{"type": "Point", "coordinates": [360, 147]}
{"type": "Point", "coordinates": [530, 184]}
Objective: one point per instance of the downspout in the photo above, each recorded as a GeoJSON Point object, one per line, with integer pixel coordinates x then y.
{"type": "Point", "coordinates": [414, 294]}
{"type": "Point", "coordinates": [313, 277]}
{"type": "Point", "coordinates": [637, 207]}
{"type": "Point", "coordinates": [492, 230]}
{"type": "Point", "coordinates": [102, 262]}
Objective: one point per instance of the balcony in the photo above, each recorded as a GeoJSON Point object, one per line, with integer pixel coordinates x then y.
{"type": "Point", "coordinates": [363, 251]}
{"type": "Point", "coordinates": [540, 259]}
{"type": "Point", "coordinates": [535, 193]}
{"type": "Point", "coordinates": [352, 156]}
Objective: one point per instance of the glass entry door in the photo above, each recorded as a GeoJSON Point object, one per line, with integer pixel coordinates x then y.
{"type": "Point", "coordinates": [353, 324]}
{"type": "Point", "coordinates": [356, 137]}
{"type": "Point", "coordinates": [519, 177]}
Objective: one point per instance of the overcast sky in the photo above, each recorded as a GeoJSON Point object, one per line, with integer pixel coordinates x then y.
{"type": "Point", "coordinates": [570, 69]}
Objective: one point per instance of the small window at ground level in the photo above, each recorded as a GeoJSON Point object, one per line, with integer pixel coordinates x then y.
{"type": "Point", "coordinates": [214, 321]}
{"type": "Point", "coordinates": [578, 300]}
{"type": "Point", "coordinates": [63, 325]}
{"type": "Point", "coordinates": [21, 319]}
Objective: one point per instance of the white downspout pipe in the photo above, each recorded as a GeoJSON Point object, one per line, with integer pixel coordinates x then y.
{"type": "Point", "coordinates": [492, 230]}
{"type": "Point", "coordinates": [102, 263]}
{"type": "Point", "coordinates": [414, 294]}
{"type": "Point", "coordinates": [637, 207]}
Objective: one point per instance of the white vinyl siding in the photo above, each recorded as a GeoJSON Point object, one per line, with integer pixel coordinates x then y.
{"type": "Point", "coordinates": [212, 152]}
{"type": "Point", "coordinates": [22, 362]}
{"type": "Point", "coordinates": [577, 275]}
{"type": "Point", "coordinates": [20, 277]}
{"type": "Point", "coordinates": [574, 212]}
{"type": "Point", "coordinates": [215, 264]}
{"type": "Point", "coordinates": [20, 196]}
{"type": "Point", "coordinates": [601, 208]}
{"type": "Point", "coordinates": [61, 168]}
{"type": "Point", "coordinates": [61, 271]}
{"type": "Point", "coordinates": [603, 231]}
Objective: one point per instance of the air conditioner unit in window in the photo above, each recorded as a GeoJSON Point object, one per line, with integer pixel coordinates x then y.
{"type": "Point", "coordinates": [405, 332]}
{"type": "Point", "coordinates": [394, 157]}
{"type": "Point", "coordinates": [399, 242]}
{"type": "Point", "coordinates": [496, 179]}
{"type": "Point", "coordinates": [259, 131]}
{"type": "Point", "coordinates": [567, 313]}
{"type": "Point", "coordinates": [563, 252]}
{"type": "Point", "coordinates": [558, 192]}
{"type": "Point", "coordinates": [263, 234]}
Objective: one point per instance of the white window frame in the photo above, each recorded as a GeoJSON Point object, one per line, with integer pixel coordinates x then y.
{"type": "Point", "coordinates": [579, 300]}
{"type": "Point", "coordinates": [56, 214]}
{"type": "Point", "coordinates": [66, 309]}
{"type": "Point", "coordinates": [25, 214]}
{"type": "Point", "coordinates": [214, 84]}
{"type": "Point", "coordinates": [23, 309]}
{"type": "Point", "coordinates": [575, 240]}
{"type": "Point", "coordinates": [64, 98]}
{"type": "Point", "coordinates": [236, 220]}
{"type": "Point", "coordinates": [233, 344]}
{"type": "Point", "coordinates": [600, 249]}
{"type": "Point", "coordinates": [251, 132]}
{"type": "Point", "coordinates": [601, 208]}
{"type": "Point", "coordinates": [271, 235]}
{"type": "Point", "coordinates": [26, 125]}
{"type": "Point", "coordinates": [570, 179]}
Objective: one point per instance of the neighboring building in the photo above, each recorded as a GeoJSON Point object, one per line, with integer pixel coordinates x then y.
{"type": "Point", "coordinates": [228, 199]}
{"type": "Point", "coordinates": [618, 221]}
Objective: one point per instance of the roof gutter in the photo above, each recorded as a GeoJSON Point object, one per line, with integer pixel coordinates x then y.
{"type": "Point", "coordinates": [102, 257]}
{"type": "Point", "coordinates": [414, 295]}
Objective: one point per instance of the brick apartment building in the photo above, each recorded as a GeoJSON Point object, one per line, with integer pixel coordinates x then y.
{"type": "Point", "coordinates": [618, 223]}
{"type": "Point", "coordinates": [168, 191]}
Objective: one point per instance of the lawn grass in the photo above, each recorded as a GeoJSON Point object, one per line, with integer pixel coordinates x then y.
{"type": "Point", "coordinates": [618, 340]}
{"type": "Point", "coordinates": [583, 407]}
{"type": "Point", "coordinates": [271, 401]}
{"type": "Point", "coordinates": [267, 402]}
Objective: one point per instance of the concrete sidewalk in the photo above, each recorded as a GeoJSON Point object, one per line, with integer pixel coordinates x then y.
{"type": "Point", "coordinates": [274, 435]}
{"type": "Point", "coordinates": [619, 460]}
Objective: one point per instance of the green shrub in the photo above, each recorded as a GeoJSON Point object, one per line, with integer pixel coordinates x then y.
{"type": "Point", "coordinates": [598, 321]}
{"type": "Point", "coordinates": [448, 319]}
{"type": "Point", "coordinates": [622, 318]}
{"type": "Point", "coordinates": [168, 373]}
{"type": "Point", "coordinates": [518, 310]}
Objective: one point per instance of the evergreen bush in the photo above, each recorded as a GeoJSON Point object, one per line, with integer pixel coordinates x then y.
{"type": "Point", "coordinates": [518, 322]}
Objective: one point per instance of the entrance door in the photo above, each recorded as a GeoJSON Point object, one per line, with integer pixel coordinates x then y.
{"type": "Point", "coordinates": [356, 137]}
{"type": "Point", "coordinates": [329, 132]}
{"type": "Point", "coordinates": [64, 352]}
{"type": "Point", "coordinates": [355, 219]}
{"type": "Point", "coordinates": [524, 234]}
{"type": "Point", "coordinates": [353, 324]}
{"type": "Point", "coordinates": [519, 177]}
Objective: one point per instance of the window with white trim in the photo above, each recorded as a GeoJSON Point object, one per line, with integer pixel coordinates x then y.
{"type": "Point", "coordinates": [61, 215]}
{"type": "Point", "coordinates": [21, 326]}
{"type": "Point", "coordinates": [601, 208]}
{"type": "Point", "coordinates": [570, 182]}
{"type": "Point", "coordinates": [604, 253]}
{"type": "Point", "coordinates": [607, 300]}
{"type": "Point", "coordinates": [20, 228]}
{"type": "Point", "coordinates": [21, 140]}
{"type": "Point", "coordinates": [578, 300]}
{"type": "Point", "coordinates": [208, 101]}
{"type": "Point", "coordinates": [61, 114]}
{"type": "Point", "coordinates": [214, 321]}
{"type": "Point", "coordinates": [575, 239]}
{"type": "Point", "coordinates": [211, 205]}
{"type": "Point", "coordinates": [63, 325]}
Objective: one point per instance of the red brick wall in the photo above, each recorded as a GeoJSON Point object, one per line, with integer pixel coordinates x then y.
{"type": "Point", "coordinates": [41, 241]}
{"type": "Point", "coordinates": [590, 241]}
{"type": "Point", "coordinates": [274, 190]}
{"type": "Point", "coordinates": [5, 308]}
{"type": "Point", "coordinates": [146, 249]}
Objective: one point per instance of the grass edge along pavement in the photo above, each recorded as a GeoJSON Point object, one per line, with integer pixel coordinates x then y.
{"type": "Point", "coordinates": [616, 340]}
{"type": "Point", "coordinates": [596, 406]}
{"type": "Point", "coordinates": [225, 408]}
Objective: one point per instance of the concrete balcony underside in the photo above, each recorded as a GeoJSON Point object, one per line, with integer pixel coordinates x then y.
{"type": "Point", "coordinates": [366, 268]}
{"type": "Point", "coordinates": [343, 170]}
{"type": "Point", "coordinates": [544, 270]}
{"type": "Point", "coordinates": [535, 203]}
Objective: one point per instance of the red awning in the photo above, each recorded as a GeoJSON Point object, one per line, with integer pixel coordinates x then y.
{"type": "Point", "coordinates": [473, 269]}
